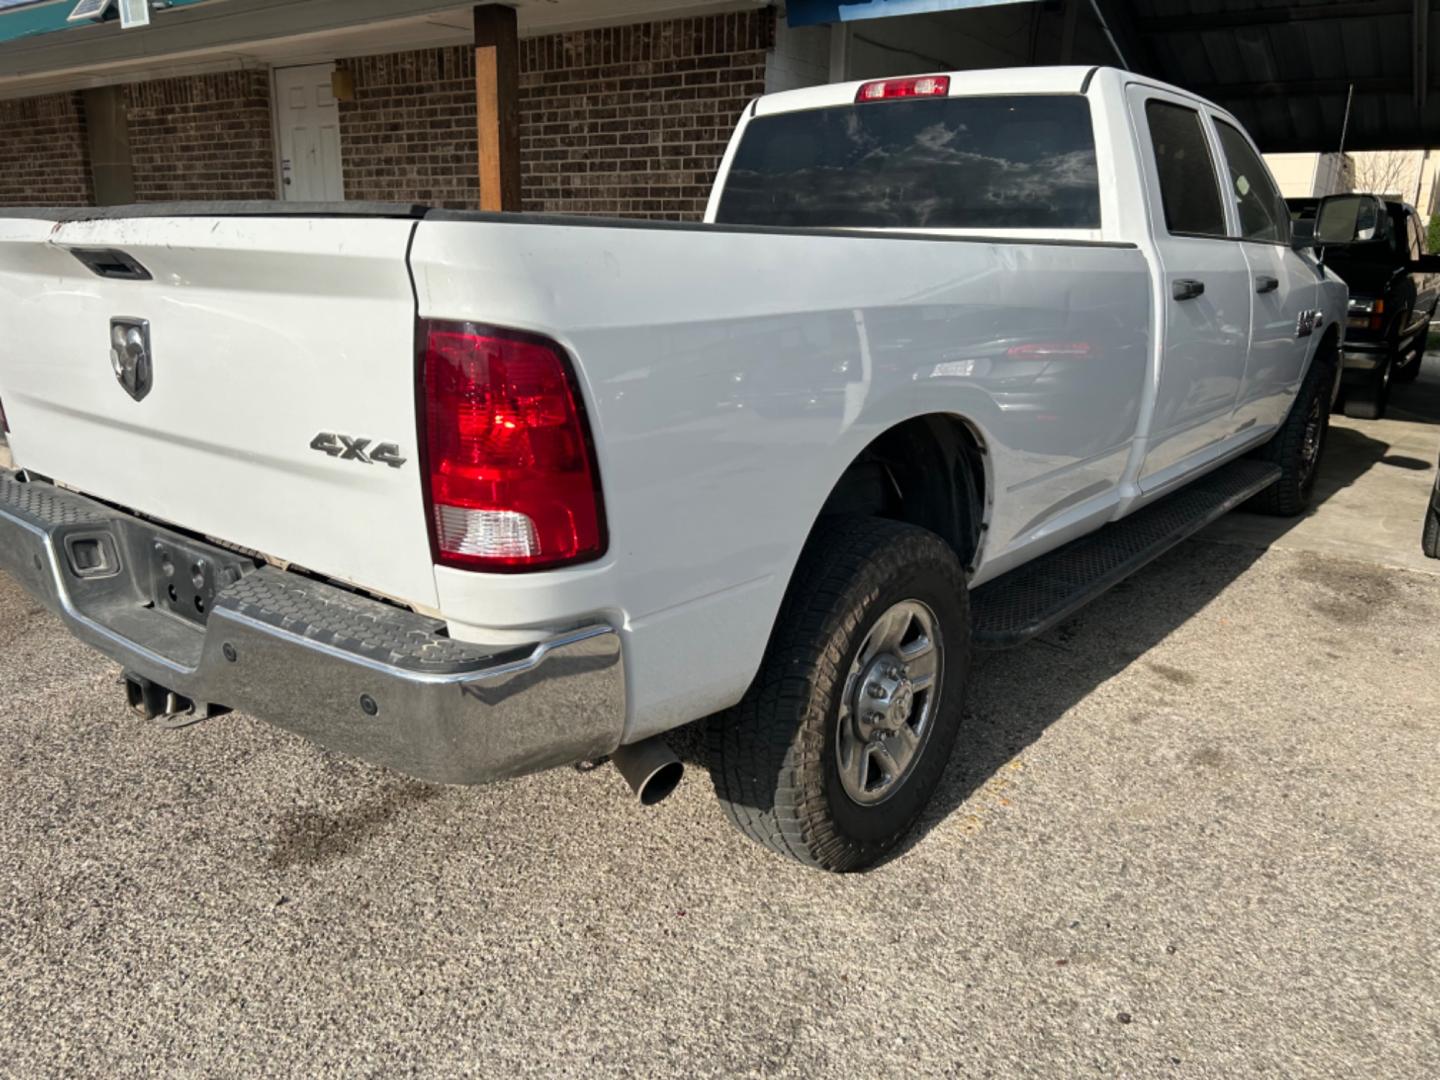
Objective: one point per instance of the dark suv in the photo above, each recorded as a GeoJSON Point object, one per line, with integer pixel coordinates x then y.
{"type": "Point", "coordinates": [1391, 304]}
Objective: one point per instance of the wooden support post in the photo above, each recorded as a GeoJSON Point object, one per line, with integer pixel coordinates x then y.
{"type": "Point", "coordinates": [497, 106]}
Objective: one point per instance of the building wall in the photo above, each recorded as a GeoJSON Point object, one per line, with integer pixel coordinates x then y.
{"type": "Point", "coordinates": [44, 160]}
{"type": "Point", "coordinates": [409, 133]}
{"type": "Point", "coordinates": [633, 120]}
{"type": "Point", "coordinates": [628, 121]}
{"type": "Point", "coordinates": [800, 57]}
{"type": "Point", "coordinates": [202, 137]}
{"type": "Point", "coordinates": [1294, 173]}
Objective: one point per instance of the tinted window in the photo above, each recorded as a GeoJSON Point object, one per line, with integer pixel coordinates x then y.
{"type": "Point", "coordinates": [1187, 175]}
{"type": "Point", "coordinates": [1262, 211]}
{"type": "Point", "coordinates": [937, 163]}
{"type": "Point", "coordinates": [1417, 244]}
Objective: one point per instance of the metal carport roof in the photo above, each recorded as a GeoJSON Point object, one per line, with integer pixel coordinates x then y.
{"type": "Point", "coordinates": [1285, 68]}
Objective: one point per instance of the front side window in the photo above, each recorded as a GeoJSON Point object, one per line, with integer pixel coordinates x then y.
{"type": "Point", "coordinates": [1012, 162]}
{"type": "Point", "coordinates": [1262, 211]}
{"type": "Point", "coordinates": [1188, 190]}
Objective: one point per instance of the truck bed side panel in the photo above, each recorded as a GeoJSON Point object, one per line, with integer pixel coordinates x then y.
{"type": "Point", "coordinates": [732, 375]}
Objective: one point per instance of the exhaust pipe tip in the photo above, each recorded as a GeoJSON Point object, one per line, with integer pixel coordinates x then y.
{"type": "Point", "coordinates": [651, 769]}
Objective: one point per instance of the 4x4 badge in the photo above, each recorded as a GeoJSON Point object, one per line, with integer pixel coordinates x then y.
{"type": "Point", "coordinates": [347, 448]}
{"type": "Point", "coordinates": [130, 355]}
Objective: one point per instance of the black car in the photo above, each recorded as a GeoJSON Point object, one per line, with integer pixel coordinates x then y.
{"type": "Point", "coordinates": [1391, 304]}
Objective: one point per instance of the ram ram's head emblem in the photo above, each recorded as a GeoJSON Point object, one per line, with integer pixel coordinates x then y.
{"type": "Point", "coordinates": [130, 355]}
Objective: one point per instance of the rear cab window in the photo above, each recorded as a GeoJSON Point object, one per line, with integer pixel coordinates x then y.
{"type": "Point", "coordinates": [1189, 191]}
{"type": "Point", "coordinates": [970, 163]}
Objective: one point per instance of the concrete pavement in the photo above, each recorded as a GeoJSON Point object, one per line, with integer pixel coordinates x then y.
{"type": "Point", "coordinates": [1190, 833]}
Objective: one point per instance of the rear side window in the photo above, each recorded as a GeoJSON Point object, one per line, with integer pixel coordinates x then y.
{"type": "Point", "coordinates": [934, 163]}
{"type": "Point", "coordinates": [1263, 215]}
{"type": "Point", "coordinates": [1188, 190]}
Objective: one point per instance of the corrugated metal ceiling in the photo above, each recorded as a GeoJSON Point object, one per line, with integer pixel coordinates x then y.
{"type": "Point", "coordinates": [1284, 68]}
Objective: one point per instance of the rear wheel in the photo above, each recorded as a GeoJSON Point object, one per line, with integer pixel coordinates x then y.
{"type": "Point", "coordinates": [1299, 444]}
{"type": "Point", "coordinates": [1430, 539]}
{"type": "Point", "coordinates": [844, 735]}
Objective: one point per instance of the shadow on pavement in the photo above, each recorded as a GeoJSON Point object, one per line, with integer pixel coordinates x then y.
{"type": "Point", "coordinates": [1016, 694]}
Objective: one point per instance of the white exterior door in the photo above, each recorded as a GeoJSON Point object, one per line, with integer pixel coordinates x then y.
{"type": "Point", "coordinates": [308, 118]}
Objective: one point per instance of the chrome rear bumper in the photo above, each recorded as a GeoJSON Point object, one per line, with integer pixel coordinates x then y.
{"type": "Point", "coordinates": [351, 673]}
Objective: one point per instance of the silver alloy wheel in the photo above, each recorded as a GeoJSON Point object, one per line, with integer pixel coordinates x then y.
{"type": "Point", "coordinates": [891, 696]}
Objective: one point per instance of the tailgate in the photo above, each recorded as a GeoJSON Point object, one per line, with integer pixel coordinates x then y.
{"type": "Point", "coordinates": [265, 333]}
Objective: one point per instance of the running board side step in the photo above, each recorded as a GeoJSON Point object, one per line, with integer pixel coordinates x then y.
{"type": "Point", "coordinates": [1033, 598]}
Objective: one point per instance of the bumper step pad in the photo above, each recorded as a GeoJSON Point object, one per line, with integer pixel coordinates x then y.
{"type": "Point", "coordinates": [1035, 597]}
{"type": "Point", "coordinates": [285, 601]}
{"type": "Point", "coordinates": [352, 624]}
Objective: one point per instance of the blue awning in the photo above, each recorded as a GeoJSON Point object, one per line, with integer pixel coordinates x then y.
{"type": "Point", "coordinates": [814, 12]}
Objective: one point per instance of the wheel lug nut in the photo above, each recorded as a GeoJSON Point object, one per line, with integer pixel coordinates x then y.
{"type": "Point", "coordinates": [875, 690]}
{"type": "Point", "coordinates": [894, 672]}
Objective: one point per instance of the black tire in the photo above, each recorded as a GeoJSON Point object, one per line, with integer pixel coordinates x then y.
{"type": "Point", "coordinates": [1369, 400]}
{"type": "Point", "coordinates": [1430, 539]}
{"type": "Point", "coordinates": [774, 757]}
{"type": "Point", "coordinates": [1292, 447]}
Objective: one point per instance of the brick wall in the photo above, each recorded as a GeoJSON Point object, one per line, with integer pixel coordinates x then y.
{"type": "Point", "coordinates": [628, 121]}
{"type": "Point", "coordinates": [202, 137]}
{"type": "Point", "coordinates": [409, 134]}
{"type": "Point", "coordinates": [44, 160]}
{"type": "Point", "coordinates": [633, 120]}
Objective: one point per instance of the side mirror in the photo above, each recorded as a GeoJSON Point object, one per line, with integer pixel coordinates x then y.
{"type": "Point", "coordinates": [1426, 264]}
{"type": "Point", "coordinates": [1347, 219]}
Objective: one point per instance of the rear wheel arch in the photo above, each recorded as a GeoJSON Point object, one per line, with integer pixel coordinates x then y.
{"type": "Point", "coordinates": [931, 471]}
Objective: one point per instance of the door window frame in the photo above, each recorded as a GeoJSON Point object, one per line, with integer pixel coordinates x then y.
{"type": "Point", "coordinates": [1237, 228]}
{"type": "Point", "coordinates": [1150, 168]}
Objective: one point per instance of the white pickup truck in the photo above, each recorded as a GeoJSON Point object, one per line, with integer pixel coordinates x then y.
{"type": "Point", "coordinates": [471, 495]}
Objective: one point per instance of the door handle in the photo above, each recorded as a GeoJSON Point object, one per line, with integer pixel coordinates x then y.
{"type": "Point", "coordinates": [1265, 283]}
{"type": "Point", "coordinates": [1186, 288]}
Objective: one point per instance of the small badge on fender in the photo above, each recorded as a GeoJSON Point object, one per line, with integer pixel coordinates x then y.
{"type": "Point", "coordinates": [349, 448]}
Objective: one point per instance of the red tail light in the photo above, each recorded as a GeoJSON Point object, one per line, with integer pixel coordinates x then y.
{"type": "Point", "coordinates": [922, 86]}
{"type": "Point", "coordinates": [511, 474]}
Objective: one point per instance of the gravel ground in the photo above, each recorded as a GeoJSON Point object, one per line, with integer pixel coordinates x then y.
{"type": "Point", "coordinates": [1189, 833]}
